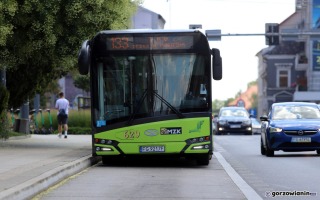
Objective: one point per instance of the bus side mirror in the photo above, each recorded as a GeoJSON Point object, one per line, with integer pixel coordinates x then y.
{"type": "Point", "coordinates": [84, 58]}
{"type": "Point", "coordinates": [216, 64]}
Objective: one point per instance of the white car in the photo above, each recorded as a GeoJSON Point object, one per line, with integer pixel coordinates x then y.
{"type": "Point", "coordinates": [256, 126]}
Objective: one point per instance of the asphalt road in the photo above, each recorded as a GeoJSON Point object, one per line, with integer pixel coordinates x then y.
{"type": "Point", "coordinates": [295, 171]}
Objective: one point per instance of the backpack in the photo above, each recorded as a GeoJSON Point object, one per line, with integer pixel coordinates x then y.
{"type": "Point", "coordinates": [62, 112]}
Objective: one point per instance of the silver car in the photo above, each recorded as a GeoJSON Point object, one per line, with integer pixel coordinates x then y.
{"type": "Point", "coordinates": [256, 126]}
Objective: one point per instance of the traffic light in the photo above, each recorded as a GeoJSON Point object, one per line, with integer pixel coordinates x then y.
{"type": "Point", "coordinates": [195, 26]}
{"type": "Point", "coordinates": [272, 34]}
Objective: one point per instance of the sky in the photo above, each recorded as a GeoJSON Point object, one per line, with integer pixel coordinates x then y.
{"type": "Point", "coordinates": [240, 63]}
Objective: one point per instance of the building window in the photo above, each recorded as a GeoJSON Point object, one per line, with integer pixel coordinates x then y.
{"type": "Point", "coordinates": [283, 78]}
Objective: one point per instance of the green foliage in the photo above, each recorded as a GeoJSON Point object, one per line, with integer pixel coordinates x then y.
{"type": "Point", "coordinates": [4, 121]}
{"type": "Point", "coordinates": [79, 131]}
{"type": "Point", "coordinates": [44, 44]}
{"type": "Point", "coordinates": [7, 11]}
{"type": "Point", "coordinates": [82, 82]}
{"type": "Point", "coordinates": [216, 105]}
{"type": "Point", "coordinates": [254, 101]}
{"type": "Point", "coordinates": [77, 120]}
{"type": "Point", "coordinates": [229, 100]}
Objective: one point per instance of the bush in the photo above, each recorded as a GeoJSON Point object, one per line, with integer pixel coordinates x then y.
{"type": "Point", "coordinates": [79, 121]}
{"type": "Point", "coordinates": [4, 122]}
{"type": "Point", "coordinates": [79, 131]}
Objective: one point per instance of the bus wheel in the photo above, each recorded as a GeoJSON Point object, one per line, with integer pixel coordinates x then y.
{"type": "Point", "coordinates": [203, 159]}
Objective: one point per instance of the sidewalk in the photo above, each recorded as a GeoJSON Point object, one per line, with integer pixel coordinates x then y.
{"type": "Point", "coordinates": [32, 164]}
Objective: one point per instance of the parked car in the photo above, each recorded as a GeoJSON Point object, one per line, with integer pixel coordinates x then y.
{"type": "Point", "coordinates": [233, 120]}
{"type": "Point", "coordinates": [290, 127]}
{"type": "Point", "coordinates": [256, 126]}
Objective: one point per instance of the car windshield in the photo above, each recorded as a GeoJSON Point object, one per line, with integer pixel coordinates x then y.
{"type": "Point", "coordinates": [234, 113]}
{"type": "Point", "coordinates": [295, 112]}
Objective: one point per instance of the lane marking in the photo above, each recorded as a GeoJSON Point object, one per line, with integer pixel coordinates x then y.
{"type": "Point", "coordinates": [248, 191]}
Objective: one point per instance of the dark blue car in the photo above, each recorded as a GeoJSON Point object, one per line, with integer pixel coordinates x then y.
{"type": "Point", "coordinates": [233, 120]}
{"type": "Point", "coordinates": [291, 127]}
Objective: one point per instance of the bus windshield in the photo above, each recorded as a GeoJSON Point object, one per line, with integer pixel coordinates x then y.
{"type": "Point", "coordinates": [149, 85]}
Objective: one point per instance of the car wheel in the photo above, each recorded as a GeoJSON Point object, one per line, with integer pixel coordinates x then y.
{"type": "Point", "coordinates": [269, 152]}
{"type": "Point", "coordinates": [262, 149]}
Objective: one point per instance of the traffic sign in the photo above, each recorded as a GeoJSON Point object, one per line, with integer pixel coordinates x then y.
{"type": "Point", "coordinates": [213, 35]}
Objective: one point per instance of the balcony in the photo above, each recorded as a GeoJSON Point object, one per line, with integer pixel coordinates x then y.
{"type": "Point", "coordinates": [313, 96]}
{"type": "Point", "coordinates": [301, 63]}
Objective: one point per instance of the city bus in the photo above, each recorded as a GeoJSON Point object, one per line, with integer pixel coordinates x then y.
{"type": "Point", "coordinates": [151, 93]}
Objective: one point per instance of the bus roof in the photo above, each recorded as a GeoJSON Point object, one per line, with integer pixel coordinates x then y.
{"type": "Point", "coordinates": [129, 31]}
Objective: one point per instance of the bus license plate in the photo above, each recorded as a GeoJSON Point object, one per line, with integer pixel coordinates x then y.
{"type": "Point", "coordinates": [301, 139]}
{"type": "Point", "coordinates": [146, 149]}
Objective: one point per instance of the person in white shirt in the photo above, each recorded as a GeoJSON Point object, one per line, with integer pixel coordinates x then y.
{"type": "Point", "coordinates": [62, 105]}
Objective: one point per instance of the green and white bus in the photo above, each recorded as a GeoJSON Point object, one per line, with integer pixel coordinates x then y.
{"type": "Point", "coordinates": [151, 93]}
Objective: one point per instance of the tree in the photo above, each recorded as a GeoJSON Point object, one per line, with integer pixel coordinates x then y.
{"type": "Point", "coordinates": [216, 105]}
{"type": "Point", "coordinates": [7, 11]}
{"type": "Point", "coordinates": [46, 38]}
{"type": "Point", "coordinates": [82, 82]}
{"type": "Point", "coordinates": [4, 123]}
{"type": "Point", "coordinates": [229, 100]}
{"type": "Point", "coordinates": [252, 83]}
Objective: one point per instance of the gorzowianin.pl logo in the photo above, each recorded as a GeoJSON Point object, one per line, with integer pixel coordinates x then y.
{"type": "Point", "coordinates": [274, 194]}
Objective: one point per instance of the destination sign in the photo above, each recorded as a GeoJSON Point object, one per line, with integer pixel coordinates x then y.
{"type": "Point", "coordinates": [122, 43]}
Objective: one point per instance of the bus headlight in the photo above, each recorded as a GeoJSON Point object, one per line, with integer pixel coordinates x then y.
{"type": "Point", "coordinates": [104, 149]}
{"type": "Point", "coordinates": [201, 147]}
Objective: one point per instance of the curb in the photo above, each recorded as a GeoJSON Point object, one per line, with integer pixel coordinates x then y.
{"type": "Point", "coordinates": [16, 138]}
{"type": "Point", "coordinates": [34, 186]}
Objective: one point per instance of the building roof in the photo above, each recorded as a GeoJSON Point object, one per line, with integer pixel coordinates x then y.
{"type": "Point", "coordinates": [288, 48]}
{"type": "Point", "coordinates": [246, 97]}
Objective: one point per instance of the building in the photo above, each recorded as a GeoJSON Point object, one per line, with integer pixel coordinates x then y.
{"type": "Point", "coordinates": [146, 19]}
{"type": "Point", "coordinates": [246, 99]}
{"type": "Point", "coordinates": [290, 71]}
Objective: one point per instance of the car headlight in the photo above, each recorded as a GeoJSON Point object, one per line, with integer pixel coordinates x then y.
{"type": "Point", "coordinates": [275, 130]}
{"type": "Point", "coordinates": [223, 122]}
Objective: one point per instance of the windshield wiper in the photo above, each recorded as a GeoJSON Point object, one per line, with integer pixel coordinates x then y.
{"type": "Point", "coordinates": [137, 108]}
{"type": "Point", "coordinates": [179, 114]}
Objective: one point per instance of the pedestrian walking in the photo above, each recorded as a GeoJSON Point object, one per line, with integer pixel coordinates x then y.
{"type": "Point", "coordinates": [62, 105]}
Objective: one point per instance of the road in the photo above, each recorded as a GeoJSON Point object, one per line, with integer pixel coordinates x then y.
{"type": "Point", "coordinates": [172, 179]}
{"type": "Point", "coordinates": [295, 171]}
{"type": "Point", "coordinates": [160, 179]}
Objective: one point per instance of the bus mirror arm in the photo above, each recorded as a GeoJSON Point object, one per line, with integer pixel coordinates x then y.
{"type": "Point", "coordinates": [84, 58]}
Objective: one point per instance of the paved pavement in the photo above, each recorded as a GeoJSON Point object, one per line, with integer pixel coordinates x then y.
{"type": "Point", "coordinates": [31, 164]}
